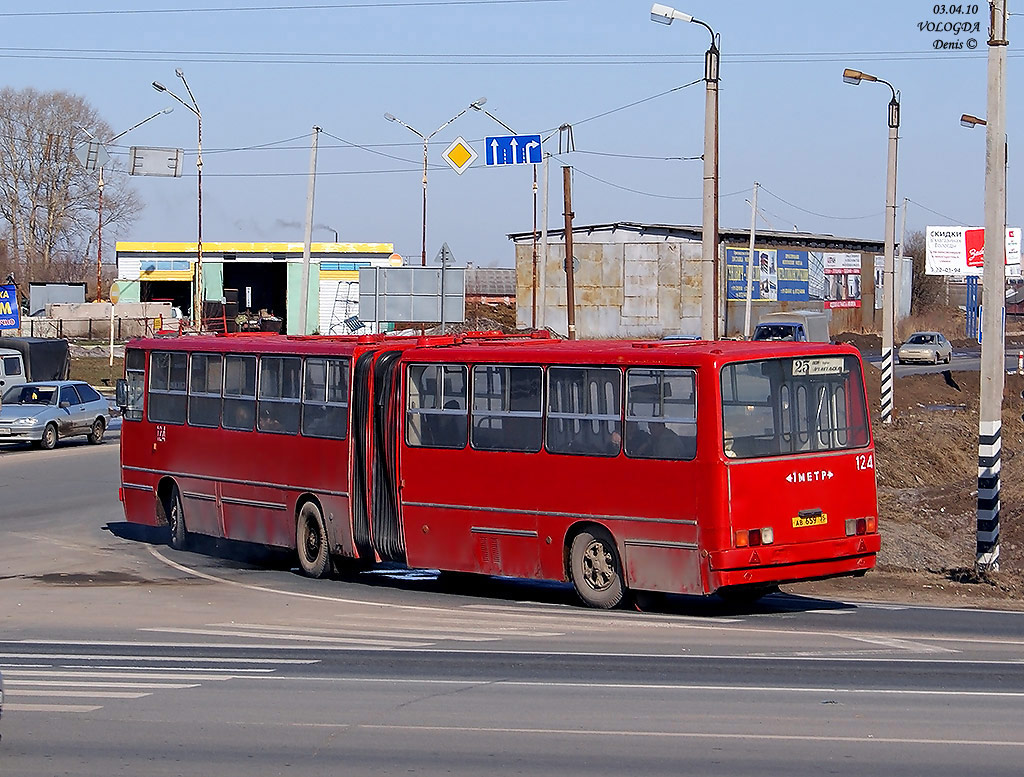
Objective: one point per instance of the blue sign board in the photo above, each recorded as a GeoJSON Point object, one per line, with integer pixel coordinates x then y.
{"type": "Point", "coordinates": [779, 275]}
{"type": "Point", "coordinates": [10, 317]}
{"type": "Point", "coordinates": [513, 150]}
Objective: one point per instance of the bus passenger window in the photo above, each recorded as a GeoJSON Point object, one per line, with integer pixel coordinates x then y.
{"type": "Point", "coordinates": [507, 413]}
{"type": "Point", "coordinates": [167, 387]}
{"type": "Point", "coordinates": [584, 411]}
{"type": "Point", "coordinates": [437, 414]}
{"type": "Point", "coordinates": [325, 398]}
{"type": "Point", "coordinates": [204, 390]}
{"type": "Point", "coordinates": [279, 394]}
{"type": "Point", "coordinates": [239, 393]}
{"type": "Point", "coordinates": [661, 414]}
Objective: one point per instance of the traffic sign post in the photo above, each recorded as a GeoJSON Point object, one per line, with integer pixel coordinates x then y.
{"type": "Point", "coordinates": [513, 150]}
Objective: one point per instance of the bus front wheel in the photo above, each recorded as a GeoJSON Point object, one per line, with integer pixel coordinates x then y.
{"type": "Point", "coordinates": [311, 542]}
{"type": "Point", "coordinates": [596, 570]}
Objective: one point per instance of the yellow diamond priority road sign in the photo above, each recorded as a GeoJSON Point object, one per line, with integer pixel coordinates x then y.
{"type": "Point", "coordinates": [459, 155]}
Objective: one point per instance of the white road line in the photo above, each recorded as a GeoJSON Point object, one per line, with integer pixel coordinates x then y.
{"type": "Point", "coordinates": [297, 637]}
{"type": "Point", "coordinates": [296, 594]}
{"type": "Point", "coordinates": [235, 671]}
{"type": "Point", "coordinates": [82, 684]}
{"type": "Point", "coordinates": [51, 708]}
{"type": "Point", "coordinates": [420, 634]}
{"type": "Point", "coordinates": [64, 692]}
{"type": "Point", "coordinates": [140, 658]}
{"type": "Point", "coordinates": [685, 687]}
{"type": "Point", "coordinates": [679, 735]}
{"type": "Point", "coordinates": [168, 674]}
{"type": "Point", "coordinates": [902, 644]}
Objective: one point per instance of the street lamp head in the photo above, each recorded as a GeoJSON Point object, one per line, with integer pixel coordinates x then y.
{"type": "Point", "coordinates": [168, 109]}
{"type": "Point", "coordinates": [390, 117]}
{"type": "Point", "coordinates": [159, 87]}
{"type": "Point", "coordinates": [664, 14]}
{"type": "Point", "coordinates": [477, 105]}
{"type": "Point", "coordinates": [179, 72]}
{"type": "Point", "coordinates": [971, 121]}
{"type": "Point", "coordinates": [852, 76]}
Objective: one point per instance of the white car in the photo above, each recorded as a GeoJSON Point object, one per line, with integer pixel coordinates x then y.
{"type": "Point", "coordinates": [928, 347]}
{"type": "Point", "coordinates": [41, 412]}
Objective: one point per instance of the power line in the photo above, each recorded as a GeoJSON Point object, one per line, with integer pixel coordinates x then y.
{"type": "Point", "coordinates": [639, 156]}
{"type": "Point", "coordinates": [954, 221]}
{"type": "Point", "coordinates": [257, 8]}
{"type": "Point", "coordinates": [648, 194]}
{"type": "Point", "coordinates": [820, 215]}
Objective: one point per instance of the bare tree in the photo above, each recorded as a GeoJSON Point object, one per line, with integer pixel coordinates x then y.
{"type": "Point", "coordinates": [926, 291]}
{"type": "Point", "coordinates": [47, 198]}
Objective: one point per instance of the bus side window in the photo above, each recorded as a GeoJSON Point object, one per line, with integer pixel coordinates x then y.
{"type": "Point", "coordinates": [204, 397]}
{"type": "Point", "coordinates": [325, 398]}
{"type": "Point", "coordinates": [584, 411]}
{"type": "Point", "coordinates": [437, 411]}
{"type": "Point", "coordinates": [279, 394]}
{"type": "Point", "coordinates": [661, 414]}
{"type": "Point", "coordinates": [135, 378]}
{"type": "Point", "coordinates": [168, 381]}
{"type": "Point", "coordinates": [239, 393]}
{"type": "Point", "coordinates": [507, 412]}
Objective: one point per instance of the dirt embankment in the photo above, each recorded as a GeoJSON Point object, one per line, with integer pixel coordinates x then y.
{"type": "Point", "coordinates": [927, 470]}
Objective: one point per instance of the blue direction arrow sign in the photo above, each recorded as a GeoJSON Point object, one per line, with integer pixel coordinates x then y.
{"type": "Point", "coordinates": [513, 150]}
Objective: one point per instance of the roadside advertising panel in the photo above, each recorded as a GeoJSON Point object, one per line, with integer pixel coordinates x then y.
{"type": "Point", "coordinates": [960, 251]}
{"type": "Point", "coordinates": [10, 316]}
{"type": "Point", "coordinates": [779, 275]}
{"type": "Point", "coordinates": [842, 280]}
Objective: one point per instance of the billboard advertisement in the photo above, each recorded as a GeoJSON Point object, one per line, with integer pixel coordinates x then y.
{"type": "Point", "coordinates": [10, 316]}
{"type": "Point", "coordinates": [842, 280]}
{"type": "Point", "coordinates": [961, 251]}
{"type": "Point", "coordinates": [779, 275]}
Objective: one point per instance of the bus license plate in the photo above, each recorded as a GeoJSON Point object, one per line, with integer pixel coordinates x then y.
{"type": "Point", "coordinates": [800, 521]}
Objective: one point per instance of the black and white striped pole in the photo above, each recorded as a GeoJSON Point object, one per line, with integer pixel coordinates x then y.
{"type": "Point", "coordinates": [888, 297]}
{"type": "Point", "coordinates": [993, 348]}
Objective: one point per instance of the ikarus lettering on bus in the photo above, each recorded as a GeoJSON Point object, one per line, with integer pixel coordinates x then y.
{"type": "Point", "coordinates": [810, 476]}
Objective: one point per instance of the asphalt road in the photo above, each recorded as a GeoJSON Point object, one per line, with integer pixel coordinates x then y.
{"type": "Point", "coordinates": [123, 657]}
{"type": "Point", "coordinates": [962, 361]}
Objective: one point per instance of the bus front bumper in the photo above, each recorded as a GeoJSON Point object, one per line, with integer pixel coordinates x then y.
{"type": "Point", "coordinates": [795, 562]}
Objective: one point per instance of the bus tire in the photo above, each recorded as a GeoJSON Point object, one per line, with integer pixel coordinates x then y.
{"type": "Point", "coordinates": [595, 569]}
{"type": "Point", "coordinates": [179, 538]}
{"type": "Point", "coordinates": [311, 542]}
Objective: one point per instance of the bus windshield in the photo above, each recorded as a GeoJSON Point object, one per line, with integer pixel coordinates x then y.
{"type": "Point", "coordinates": [778, 407]}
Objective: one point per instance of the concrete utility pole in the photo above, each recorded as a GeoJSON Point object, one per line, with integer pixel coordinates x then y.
{"type": "Point", "coordinates": [993, 298]}
{"type": "Point", "coordinates": [750, 262]}
{"type": "Point", "coordinates": [897, 290]}
{"type": "Point", "coordinates": [570, 291]}
{"type": "Point", "coordinates": [307, 246]}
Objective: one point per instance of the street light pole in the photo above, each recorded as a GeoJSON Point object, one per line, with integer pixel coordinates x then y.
{"type": "Point", "coordinates": [99, 213]}
{"type": "Point", "coordinates": [888, 282]}
{"type": "Point", "coordinates": [197, 303]}
{"type": "Point", "coordinates": [426, 140]}
{"type": "Point", "coordinates": [664, 14]}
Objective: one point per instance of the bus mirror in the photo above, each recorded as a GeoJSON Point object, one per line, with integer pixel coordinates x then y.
{"type": "Point", "coordinates": [122, 393]}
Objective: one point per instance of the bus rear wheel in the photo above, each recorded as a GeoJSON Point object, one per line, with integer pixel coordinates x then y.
{"type": "Point", "coordinates": [311, 542]}
{"type": "Point", "coordinates": [595, 569]}
{"type": "Point", "coordinates": [176, 521]}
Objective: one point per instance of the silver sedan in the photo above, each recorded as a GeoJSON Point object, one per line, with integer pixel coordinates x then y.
{"type": "Point", "coordinates": [929, 347]}
{"type": "Point", "coordinates": [43, 412]}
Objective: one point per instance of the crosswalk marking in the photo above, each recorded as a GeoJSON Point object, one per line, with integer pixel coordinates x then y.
{"type": "Point", "coordinates": [33, 686]}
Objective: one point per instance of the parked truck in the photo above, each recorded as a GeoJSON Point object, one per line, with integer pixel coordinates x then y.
{"type": "Point", "coordinates": [33, 358]}
{"type": "Point", "coordinates": [797, 325]}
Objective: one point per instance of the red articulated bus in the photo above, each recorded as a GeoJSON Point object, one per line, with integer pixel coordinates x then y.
{"type": "Point", "coordinates": [678, 466]}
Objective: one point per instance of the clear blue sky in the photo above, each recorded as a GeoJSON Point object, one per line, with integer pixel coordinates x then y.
{"type": "Point", "coordinates": [268, 75]}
